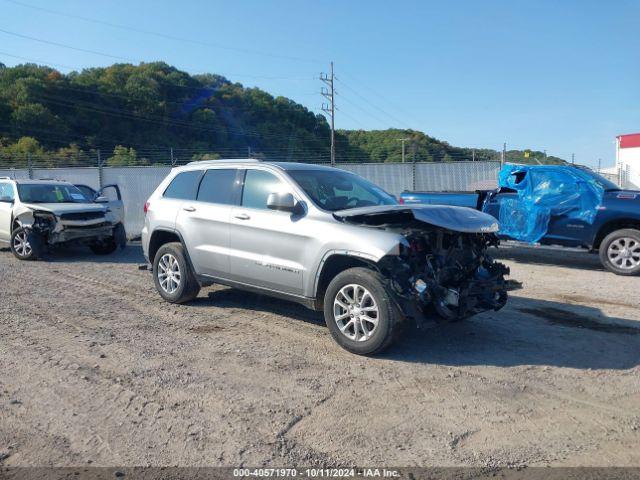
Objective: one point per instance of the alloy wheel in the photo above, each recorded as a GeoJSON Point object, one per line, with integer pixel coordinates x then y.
{"type": "Point", "coordinates": [169, 273]}
{"type": "Point", "coordinates": [624, 253]}
{"type": "Point", "coordinates": [21, 244]}
{"type": "Point", "coordinates": [355, 312]}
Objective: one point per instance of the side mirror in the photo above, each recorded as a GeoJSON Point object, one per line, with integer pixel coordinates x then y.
{"type": "Point", "coordinates": [6, 200]}
{"type": "Point", "coordinates": [101, 200]}
{"type": "Point", "coordinates": [284, 202]}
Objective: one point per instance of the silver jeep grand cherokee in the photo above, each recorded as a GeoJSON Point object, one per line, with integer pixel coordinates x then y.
{"type": "Point", "coordinates": [325, 238]}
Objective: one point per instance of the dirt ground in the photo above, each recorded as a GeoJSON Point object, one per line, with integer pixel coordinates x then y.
{"type": "Point", "coordinates": [97, 369]}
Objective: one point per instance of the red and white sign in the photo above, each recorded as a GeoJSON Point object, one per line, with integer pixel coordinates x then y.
{"type": "Point", "coordinates": [631, 140]}
{"type": "Point", "coordinates": [628, 158]}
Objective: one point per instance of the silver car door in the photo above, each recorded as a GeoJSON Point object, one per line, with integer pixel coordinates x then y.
{"type": "Point", "coordinates": [204, 223]}
{"type": "Point", "coordinates": [267, 246]}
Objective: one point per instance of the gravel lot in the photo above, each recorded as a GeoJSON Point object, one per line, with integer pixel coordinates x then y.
{"type": "Point", "coordinates": [97, 369]}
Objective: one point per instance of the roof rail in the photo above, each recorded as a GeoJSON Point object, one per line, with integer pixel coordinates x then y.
{"type": "Point", "coordinates": [224, 160]}
{"type": "Point", "coordinates": [5, 178]}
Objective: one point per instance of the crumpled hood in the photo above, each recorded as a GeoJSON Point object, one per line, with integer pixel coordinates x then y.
{"type": "Point", "coordinates": [60, 208]}
{"type": "Point", "coordinates": [458, 219]}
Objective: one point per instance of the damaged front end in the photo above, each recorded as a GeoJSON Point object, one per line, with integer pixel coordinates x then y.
{"type": "Point", "coordinates": [50, 228]}
{"type": "Point", "coordinates": [446, 275]}
{"type": "Point", "coordinates": [442, 270]}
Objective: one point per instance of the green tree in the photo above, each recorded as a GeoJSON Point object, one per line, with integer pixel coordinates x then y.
{"type": "Point", "coordinates": [124, 156]}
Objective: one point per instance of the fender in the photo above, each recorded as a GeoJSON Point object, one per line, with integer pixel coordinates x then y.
{"type": "Point", "coordinates": [363, 256]}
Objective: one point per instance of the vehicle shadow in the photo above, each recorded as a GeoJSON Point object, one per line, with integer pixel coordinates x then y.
{"type": "Point", "coordinates": [224, 297]}
{"type": "Point", "coordinates": [132, 254]}
{"type": "Point", "coordinates": [526, 332]}
{"type": "Point", "coordinates": [548, 256]}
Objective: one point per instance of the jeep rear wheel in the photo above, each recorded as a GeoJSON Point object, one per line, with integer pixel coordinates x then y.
{"type": "Point", "coordinates": [172, 275]}
{"type": "Point", "coordinates": [620, 252]}
{"type": "Point", "coordinates": [359, 312]}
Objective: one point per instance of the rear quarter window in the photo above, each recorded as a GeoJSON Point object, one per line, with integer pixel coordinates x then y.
{"type": "Point", "coordinates": [184, 186]}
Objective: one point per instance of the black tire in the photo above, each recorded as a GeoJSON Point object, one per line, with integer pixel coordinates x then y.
{"type": "Point", "coordinates": [618, 264]}
{"type": "Point", "coordinates": [388, 316]}
{"type": "Point", "coordinates": [35, 244]}
{"type": "Point", "coordinates": [104, 248]}
{"type": "Point", "coordinates": [188, 287]}
{"type": "Point", "coordinates": [120, 236]}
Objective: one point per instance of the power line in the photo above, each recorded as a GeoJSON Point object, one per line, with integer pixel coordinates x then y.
{"type": "Point", "coordinates": [361, 109]}
{"type": "Point", "coordinates": [373, 104]}
{"type": "Point", "coordinates": [379, 95]}
{"type": "Point", "coordinates": [351, 117]}
{"type": "Point", "coordinates": [127, 59]}
{"type": "Point", "coordinates": [90, 106]}
{"type": "Point", "coordinates": [163, 35]}
{"type": "Point", "coordinates": [78, 49]}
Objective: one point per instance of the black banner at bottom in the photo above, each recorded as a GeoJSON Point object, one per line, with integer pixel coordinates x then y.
{"type": "Point", "coordinates": [304, 473]}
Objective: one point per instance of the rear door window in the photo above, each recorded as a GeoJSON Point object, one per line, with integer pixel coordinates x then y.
{"type": "Point", "coordinates": [218, 186]}
{"type": "Point", "coordinates": [184, 186]}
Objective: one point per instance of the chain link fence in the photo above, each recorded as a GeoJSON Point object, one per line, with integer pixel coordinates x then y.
{"type": "Point", "coordinates": [138, 182]}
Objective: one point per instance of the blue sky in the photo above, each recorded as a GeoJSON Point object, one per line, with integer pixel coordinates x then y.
{"type": "Point", "coordinates": [557, 75]}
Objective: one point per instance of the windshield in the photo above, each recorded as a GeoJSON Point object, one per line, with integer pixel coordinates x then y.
{"type": "Point", "coordinates": [49, 193]}
{"type": "Point", "coordinates": [339, 190]}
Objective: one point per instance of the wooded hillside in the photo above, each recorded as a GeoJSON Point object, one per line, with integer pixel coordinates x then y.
{"type": "Point", "coordinates": [142, 114]}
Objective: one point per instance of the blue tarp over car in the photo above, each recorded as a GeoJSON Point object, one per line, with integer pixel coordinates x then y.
{"type": "Point", "coordinates": [543, 192]}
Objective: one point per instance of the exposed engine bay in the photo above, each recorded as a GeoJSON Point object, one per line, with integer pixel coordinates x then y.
{"type": "Point", "coordinates": [447, 275]}
{"type": "Point", "coordinates": [442, 270]}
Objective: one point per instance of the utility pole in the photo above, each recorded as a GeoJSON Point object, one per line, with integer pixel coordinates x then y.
{"type": "Point", "coordinates": [473, 155]}
{"type": "Point", "coordinates": [599, 164]}
{"type": "Point", "coordinates": [414, 169]}
{"type": "Point", "coordinates": [330, 108]}
{"type": "Point", "coordinates": [573, 158]}
{"type": "Point", "coordinates": [100, 170]}
{"type": "Point", "coordinates": [403, 140]}
{"type": "Point", "coordinates": [248, 151]}
{"type": "Point", "coordinates": [503, 157]}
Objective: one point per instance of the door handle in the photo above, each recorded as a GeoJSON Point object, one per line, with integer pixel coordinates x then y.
{"type": "Point", "coordinates": [242, 216]}
{"type": "Point", "coordinates": [189, 209]}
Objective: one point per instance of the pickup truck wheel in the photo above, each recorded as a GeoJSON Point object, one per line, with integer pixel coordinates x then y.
{"type": "Point", "coordinates": [620, 252]}
{"type": "Point", "coordinates": [25, 245]}
{"type": "Point", "coordinates": [359, 312]}
{"type": "Point", "coordinates": [172, 274]}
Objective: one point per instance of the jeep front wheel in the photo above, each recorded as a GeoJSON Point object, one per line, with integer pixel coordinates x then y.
{"type": "Point", "coordinates": [359, 313]}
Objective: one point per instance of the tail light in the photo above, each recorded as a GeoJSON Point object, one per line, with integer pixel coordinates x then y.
{"type": "Point", "coordinates": [146, 207]}
{"type": "Point", "coordinates": [401, 201]}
